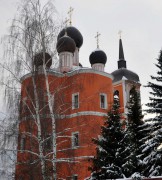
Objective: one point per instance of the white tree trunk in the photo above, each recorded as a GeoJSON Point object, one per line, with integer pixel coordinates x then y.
{"type": "Point", "coordinates": [42, 160]}
{"type": "Point", "coordinates": [50, 104]}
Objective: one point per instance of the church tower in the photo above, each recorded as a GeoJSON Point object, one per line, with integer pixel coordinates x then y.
{"type": "Point", "coordinates": [124, 80]}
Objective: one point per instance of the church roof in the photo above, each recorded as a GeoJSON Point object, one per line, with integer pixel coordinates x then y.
{"type": "Point", "coordinates": [122, 71]}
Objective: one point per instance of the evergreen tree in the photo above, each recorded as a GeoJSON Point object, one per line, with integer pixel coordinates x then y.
{"type": "Point", "coordinates": [108, 161]}
{"type": "Point", "coordinates": [153, 148]}
{"type": "Point", "coordinates": [133, 135]}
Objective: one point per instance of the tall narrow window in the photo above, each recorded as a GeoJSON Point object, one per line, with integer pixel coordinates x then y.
{"type": "Point", "coordinates": [103, 101]}
{"type": "Point", "coordinates": [75, 139]}
{"type": "Point", "coordinates": [75, 101]}
{"type": "Point", "coordinates": [48, 142]}
{"type": "Point", "coordinates": [116, 97]}
{"type": "Point", "coordinates": [22, 143]}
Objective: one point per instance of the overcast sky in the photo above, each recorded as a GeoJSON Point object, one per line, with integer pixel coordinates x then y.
{"type": "Point", "coordinates": [139, 20]}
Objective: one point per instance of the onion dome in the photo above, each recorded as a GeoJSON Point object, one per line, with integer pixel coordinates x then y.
{"type": "Point", "coordinates": [65, 43]}
{"type": "Point", "coordinates": [74, 34]}
{"type": "Point", "coordinates": [39, 59]}
{"type": "Point", "coordinates": [98, 56]}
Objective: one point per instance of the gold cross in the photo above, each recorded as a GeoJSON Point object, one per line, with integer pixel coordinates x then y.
{"type": "Point", "coordinates": [70, 14]}
{"type": "Point", "coordinates": [120, 33]}
{"type": "Point", "coordinates": [66, 22]}
{"type": "Point", "coordinates": [97, 38]}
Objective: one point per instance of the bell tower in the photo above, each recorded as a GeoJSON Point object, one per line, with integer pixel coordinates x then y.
{"type": "Point", "coordinates": [124, 79]}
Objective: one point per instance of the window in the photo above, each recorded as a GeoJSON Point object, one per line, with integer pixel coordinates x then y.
{"type": "Point", "coordinates": [22, 143]}
{"type": "Point", "coordinates": [48, 142]}
{"type": "Point", "coordinates": [75, 139]}
{"type": "Point", "coordinates": [75, 177]}
{"type": "Point", "coordinates": [103, 101]}
{"type": "Point", "coordinates": [116, 97]}
{"type": "Point", "coordinates": [75, 101]}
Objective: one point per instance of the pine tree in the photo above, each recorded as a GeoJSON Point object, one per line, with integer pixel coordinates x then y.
{"type": "Point", "coordinates": [133, 135]}
{"type": "Point", "coordinates": [108, 161]}
{"type": "Point", "coordinates": [153, 148]}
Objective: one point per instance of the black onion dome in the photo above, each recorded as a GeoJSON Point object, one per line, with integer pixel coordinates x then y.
{"type": "Point", "coordinates": [38, 59]}
{"type": "Point", "coordinates": [65, 43]}
{"type": "Point", "coordinates": [123, 72]}
{"type": "Point", "coordinates": [74, 34]}
{"type": "Point", "coordinates": [98, 56]}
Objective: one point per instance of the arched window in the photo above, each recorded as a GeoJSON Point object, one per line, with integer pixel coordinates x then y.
{"type": "Point", "coordinates": [22, 143]}
{"type": "Point", "coordinates": [130, 93]}
{"type": "Point", "coordinates": [116, 96]}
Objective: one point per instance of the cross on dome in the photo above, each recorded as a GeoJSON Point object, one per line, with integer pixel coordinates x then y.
{"type": "Point", "coordinates": [66, 22]}
{"type": "Point", "coordinates": [97, 38]}
{"type": "Point", "coordinates": [70, 15]}
{"type": "Point", "coordinates": [120, 33]}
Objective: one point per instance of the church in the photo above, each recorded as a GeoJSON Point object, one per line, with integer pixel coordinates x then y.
{"type": "Point", "coordinates": [81, 99]}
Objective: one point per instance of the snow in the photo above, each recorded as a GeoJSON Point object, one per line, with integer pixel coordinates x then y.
{"type": "Point", "coordinates": [136, 176]}
{"type": "Point", "coordinates": [124, 78]}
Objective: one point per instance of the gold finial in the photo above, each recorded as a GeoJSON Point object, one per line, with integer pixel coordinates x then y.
{"type": "Point", "coordinates": [120, 33]}
{"type": "Point", "coordinates": [97, 38]}
{"type": "Point", "coordinates": [66, 22]}
{"type": "Point", "coordinates": [70, 14]}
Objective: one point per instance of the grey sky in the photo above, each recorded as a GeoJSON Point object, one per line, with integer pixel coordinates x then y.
{"type": "Point", "coordinates": [140, 21]}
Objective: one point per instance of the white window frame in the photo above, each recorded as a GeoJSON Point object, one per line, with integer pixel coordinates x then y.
{"type": "Point", "coordinates": [73, 141]}
{"type": "Point", "coordinates": [105, 101]}
{"type": "Point", "coordinates": [73, 101]}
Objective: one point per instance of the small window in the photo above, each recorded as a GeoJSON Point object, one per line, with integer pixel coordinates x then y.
{"type": "Point", "coordinates": [75, 139]}
{"type": "Point", "coordinates": [103, 101]}
{"type": "Point", "coordinates": [75, 101]}
{"type": "Point", "coordinates": [48, 142]}
{"type": "Point", "coordinates": [116, 97]}
{"type": "Point", "coordinates": [75, 177]}
{"type": "Point", "coordinates": [116, 93]}
{"type": "Point", "coordinates": [22, 143]}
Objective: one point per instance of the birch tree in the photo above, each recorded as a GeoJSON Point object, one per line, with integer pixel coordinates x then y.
{"type": "Point", "coordinates": [33, 30]}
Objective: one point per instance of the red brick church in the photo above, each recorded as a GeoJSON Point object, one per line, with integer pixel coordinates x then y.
{"type": "Point", "coordinates": [81, 99]}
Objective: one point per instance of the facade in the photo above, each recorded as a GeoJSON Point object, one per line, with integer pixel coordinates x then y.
{"type": "Point", "coordinates": [81, 98]}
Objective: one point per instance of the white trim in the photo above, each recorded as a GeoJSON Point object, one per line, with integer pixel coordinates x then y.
{"type": "Point", "coordinates": [76, 57]}
{"type": "Point", "coordinates": [105, 101]}
{"type": "Point", "coordinates": [82, 113]}
{"type": "Point", "coordinates": [120, 82]}
{"type": "Point", "coordinates": [71, 73]}
{"type": "Point", "coordinates": [124, 95]}
{"type": "Point", "coordinates": [89, 70]}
